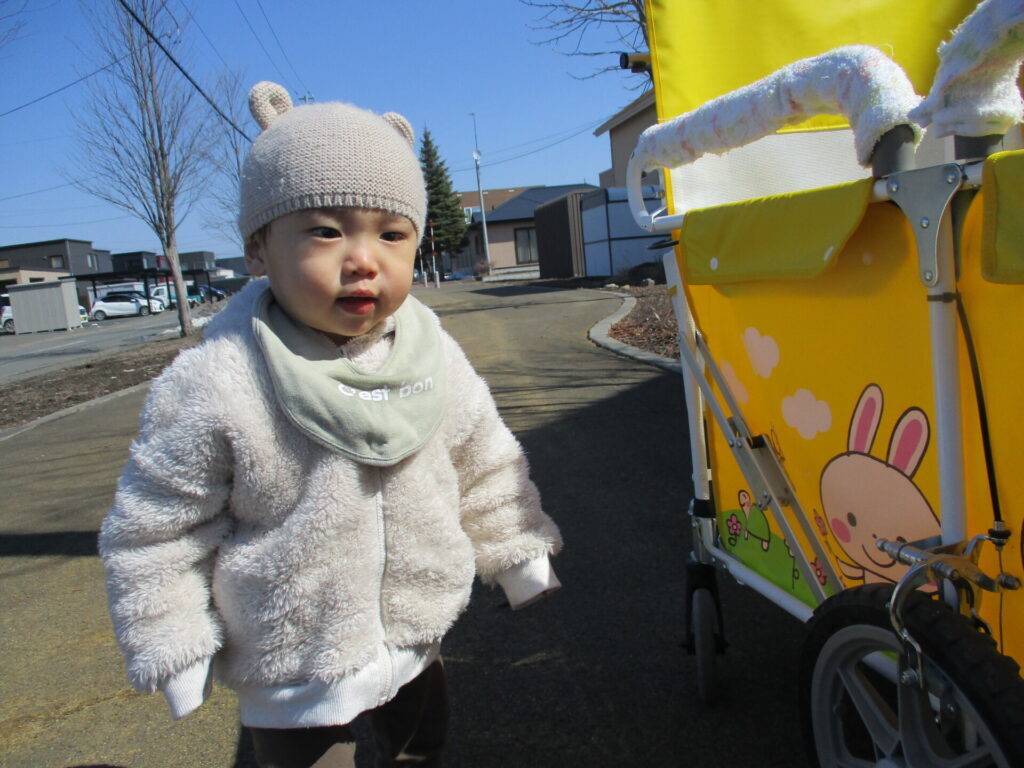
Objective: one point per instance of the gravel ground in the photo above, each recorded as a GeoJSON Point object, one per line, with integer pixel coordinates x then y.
{"type": "Point", "coordinates": [650, 326]}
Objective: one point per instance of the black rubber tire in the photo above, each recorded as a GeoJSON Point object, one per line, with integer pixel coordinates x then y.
{"type": "Point", "coordinates": [704, 623]}
{"type": "Point", "coordinates": [9, 326]}
{"type": "Point", "coordinates": [143, 311]}
{"type": "Point", "coordinates": [99, 314]}
{"type": "Point", "coordinates": [988, 682]}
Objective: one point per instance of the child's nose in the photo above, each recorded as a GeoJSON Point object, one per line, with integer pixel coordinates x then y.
{"type": "Point", "coordinates": [359, 259]}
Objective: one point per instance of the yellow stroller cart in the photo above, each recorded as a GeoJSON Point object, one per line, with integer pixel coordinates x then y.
{"type": "Point", "coordinates": [851, 366]}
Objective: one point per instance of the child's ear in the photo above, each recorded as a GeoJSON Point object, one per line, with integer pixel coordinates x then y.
{"type": "Point", "coordinates": [254, 262]}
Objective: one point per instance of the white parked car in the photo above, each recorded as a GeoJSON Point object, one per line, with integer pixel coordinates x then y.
{"type": "Point", "coordinates": [7, 319]}
{"type": "Point", "coordinates": [119, 304]}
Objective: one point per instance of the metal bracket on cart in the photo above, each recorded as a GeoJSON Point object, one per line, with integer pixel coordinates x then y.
{"type": "Point", "coordinates": [759, 463]}
{"type": "Point", "coordinates": [924, 195]}
{"type": "Point", "coordinates": [954, 564]}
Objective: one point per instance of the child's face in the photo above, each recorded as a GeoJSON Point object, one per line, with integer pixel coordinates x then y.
{"type": "Point", "coordinates": [338, 270]}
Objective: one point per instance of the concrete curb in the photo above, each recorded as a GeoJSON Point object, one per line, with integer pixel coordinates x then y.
{"type": "Point", "coordinates": [600, 334]}
{"type": "Point", "coordinates": [13, 431]}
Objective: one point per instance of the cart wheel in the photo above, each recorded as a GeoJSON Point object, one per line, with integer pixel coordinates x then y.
{"type": "Point", "coordinates": [855, 714]}
{"type": "Point", "coordinates": [704, 624]}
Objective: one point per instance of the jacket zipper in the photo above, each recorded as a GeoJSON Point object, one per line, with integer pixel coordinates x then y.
{"type": "Point", "coordinates": [387, 669]}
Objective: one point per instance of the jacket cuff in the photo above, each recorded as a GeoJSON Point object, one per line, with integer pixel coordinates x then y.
{"type": "Point", "coordinates": [188, 689]}
{"type": "Point", "coordinates": [527, 582]}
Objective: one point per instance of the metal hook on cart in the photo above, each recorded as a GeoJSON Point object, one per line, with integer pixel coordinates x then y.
{"type": "Point", "coordinates": [955, 564]}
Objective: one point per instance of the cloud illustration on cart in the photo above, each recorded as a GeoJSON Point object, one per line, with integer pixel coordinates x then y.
{"type": "Point", "coordinates": [763, 352]}
{"type": "Point", "coordinates": [806, 414]}
{"type": "Point", "coordinates": [739, 391]}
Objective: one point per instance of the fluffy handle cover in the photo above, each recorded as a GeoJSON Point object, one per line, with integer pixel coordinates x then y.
{"type": "Point", "coordinates": [858, 81]}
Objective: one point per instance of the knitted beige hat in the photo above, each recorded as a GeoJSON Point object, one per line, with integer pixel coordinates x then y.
{"type": "Point", "coordinates": [327, 155]}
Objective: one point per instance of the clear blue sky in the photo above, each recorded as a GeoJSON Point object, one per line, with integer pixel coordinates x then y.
{"type": "Point", "coordinates": [435, 61]}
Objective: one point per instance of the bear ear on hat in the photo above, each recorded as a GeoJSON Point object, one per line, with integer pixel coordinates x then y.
{"type": "Point", "coordinates": [267, 102]}
{"type": "Point", "coordinates": [401, 125]}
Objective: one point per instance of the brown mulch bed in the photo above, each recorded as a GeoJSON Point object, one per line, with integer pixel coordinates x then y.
{"type": "Point", "coordinates": [28, 399]}
{"type": "Point", "coordinates": [651, 326]}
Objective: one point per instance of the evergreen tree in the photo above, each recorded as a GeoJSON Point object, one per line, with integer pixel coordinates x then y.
{"type": "Point", "coordinates": [443, 207]}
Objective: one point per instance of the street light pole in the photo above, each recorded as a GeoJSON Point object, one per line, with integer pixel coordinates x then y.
{"type": "Point", "coordinates": [433, 256]}
{"type": "Point", "coordinates": [480, 191]}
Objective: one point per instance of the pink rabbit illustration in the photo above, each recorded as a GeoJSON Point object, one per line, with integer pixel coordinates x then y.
{"type": "Point", "coordinates": [865, 499]}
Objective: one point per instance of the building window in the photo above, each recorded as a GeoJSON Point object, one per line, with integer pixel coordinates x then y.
{"type": "Point", "coordinates": [526, 245]}
{"type": "Point", "coordinates": [56, 262]}
{"type": "Point", "coordinates": [5, 263]}
{"type": "Point", "coordinates": [90, 260]}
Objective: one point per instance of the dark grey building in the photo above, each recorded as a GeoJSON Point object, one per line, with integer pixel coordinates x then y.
{"type": "Point", "coordinates": [196, 260]}
{"type": "Point", "coordinates": [134, 261]}
{"type": "Point", "coordinates": [234, 263]}
{"type": "Point", "coordinates": [50, 259]}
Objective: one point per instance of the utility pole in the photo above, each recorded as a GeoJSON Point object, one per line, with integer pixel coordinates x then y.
{"type": "Point", "coordinates": [433, 257]}
{"type": "Point", "coordinates": [423, 265]}
{"type": "Point", "coordinates": [480, 191]}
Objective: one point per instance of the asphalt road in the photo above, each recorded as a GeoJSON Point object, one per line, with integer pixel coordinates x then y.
{"type": "Point", "coordinates": [593, 677]}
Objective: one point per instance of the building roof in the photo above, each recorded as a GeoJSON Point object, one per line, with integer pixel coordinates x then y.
{"type": "Point", "coordinates": [492, 197]}
{"type": "Point", "coordinates": [523, 205]}
{"type": "Point", "coordinates": [635, 107]}
{"type": "Point", "coordinates": [44, 242]}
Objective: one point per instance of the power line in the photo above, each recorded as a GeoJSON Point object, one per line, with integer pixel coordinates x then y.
{"type": "Point", "coordinates": [34, 141]}
{"type": "Point", "coordinates": [62, 224]}
{"type": "Point", "coordinates": [281, 47]}
{"type": "Point", "coordinates": [579, 128]}
{"type": "Point", "coordinates": [534, 151]}
{"type": "Point", "coordinates": [269, 57]}
{"type": "Point", "coordinates": [63, 208]}
{"type": "Point", "coordinates": [193, 19]}
{"type": "Point", "coordinates": [62, 88]}
{"type": "Point", "coordinates": [47, 189]}
{"type": "Point", "coordinates": [155, 39]}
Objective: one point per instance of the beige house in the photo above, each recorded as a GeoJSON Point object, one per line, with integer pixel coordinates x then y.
{"type": "Point", "coordinates": [511, 232]}
{"type": "Point", "coordinates": [623, 129]}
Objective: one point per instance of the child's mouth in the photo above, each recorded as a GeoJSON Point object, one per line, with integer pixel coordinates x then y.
{"type": "Point", "coordinates": [358, 305]}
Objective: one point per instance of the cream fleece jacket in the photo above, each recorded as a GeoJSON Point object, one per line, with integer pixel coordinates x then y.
{"type": "Point", "coordinates": [234, 537]}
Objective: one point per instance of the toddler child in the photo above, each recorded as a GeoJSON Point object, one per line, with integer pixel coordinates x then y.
{"type": "Point", "coordinates": [315, 485]}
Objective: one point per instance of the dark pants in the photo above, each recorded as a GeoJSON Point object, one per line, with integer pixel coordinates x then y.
{"type": "Point", "coordinates": [408, 730]}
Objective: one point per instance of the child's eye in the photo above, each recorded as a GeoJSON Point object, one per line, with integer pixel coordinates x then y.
{"type": "Point", "coordinates": [325, 232]}
{"type": "Point", "coordinates": [393, 237]}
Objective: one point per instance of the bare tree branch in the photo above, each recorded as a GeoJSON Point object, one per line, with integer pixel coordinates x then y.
{"type": "Point", "coordinates": [144, 138]}
{"type": "Point", "coordinates": [574, 28]}
{"type": "Point", "coordinates": [220, 213]}
{"type": "Point", "coordinates": [11, 19]}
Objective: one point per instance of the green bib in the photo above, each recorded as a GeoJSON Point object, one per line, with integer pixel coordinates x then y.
{"type": "Point", "coordinates": [378, 418]}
